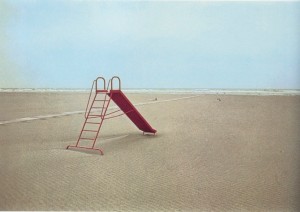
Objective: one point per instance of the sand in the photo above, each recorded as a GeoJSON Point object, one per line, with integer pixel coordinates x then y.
{"type": "Point", "coordinates": [211, 152]}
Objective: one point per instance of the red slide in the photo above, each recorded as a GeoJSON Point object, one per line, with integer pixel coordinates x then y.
{"type": "Point", "coordinates": [128, 108]}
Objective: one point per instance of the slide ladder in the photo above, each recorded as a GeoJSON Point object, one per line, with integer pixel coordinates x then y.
{"type": "Point", "coordinates": [94, 116]}
{"type": "Point", "coordinates": [96, 112]}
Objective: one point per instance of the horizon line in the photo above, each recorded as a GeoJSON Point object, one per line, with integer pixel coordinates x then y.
{"type": "Point", "coordinates": [183, 88]}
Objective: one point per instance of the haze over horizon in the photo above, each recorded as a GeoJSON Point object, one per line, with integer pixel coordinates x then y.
{"type": "Point", "coordinates": [230, 45]}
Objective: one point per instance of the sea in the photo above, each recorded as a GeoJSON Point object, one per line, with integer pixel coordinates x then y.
{"type": "Point", "coordinates": [259, 92]}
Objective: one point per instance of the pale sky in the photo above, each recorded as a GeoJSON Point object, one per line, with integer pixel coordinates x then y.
{"type": "Point", "coordinates": [67, 44]}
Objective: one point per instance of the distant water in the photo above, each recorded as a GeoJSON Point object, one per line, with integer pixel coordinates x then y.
{"type": "Point", "coordinates": [40, 90]}
{"type": "Point", "coordinates": [260, 92]}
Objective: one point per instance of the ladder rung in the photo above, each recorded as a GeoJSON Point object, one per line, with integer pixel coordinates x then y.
{"type": "Point", "coordinates": [90, 130]}
{"type": "Point", "coordinates": [92, 122]}
{"type": "Point", "coordinates": [98, 107]}
{"type": "Point", "coordinates": [94, 116]}
{"type": "Point", "coordinates": [87, 139]}
{"type": "Point", "coordinates": [101, 100]}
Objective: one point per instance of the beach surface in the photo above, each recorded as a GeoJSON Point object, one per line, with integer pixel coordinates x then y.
{"type": "Point", "coordinates": [210, 153]}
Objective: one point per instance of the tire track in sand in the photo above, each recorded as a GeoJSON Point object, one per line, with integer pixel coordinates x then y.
{"type": "Point", "coordinates": [82, 111]}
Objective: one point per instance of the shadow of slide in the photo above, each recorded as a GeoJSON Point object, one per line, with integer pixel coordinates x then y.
{"type": "Point", "coordinates": [116, 143]}
{"type": "Point", "coordinates": [125, 142]}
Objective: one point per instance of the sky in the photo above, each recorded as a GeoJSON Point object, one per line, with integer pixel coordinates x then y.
{"type": "Point", "coordinates": [150, 44]}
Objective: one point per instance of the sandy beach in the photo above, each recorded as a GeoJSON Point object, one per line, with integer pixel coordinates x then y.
{"type": "Point", "coordinates": [211, 153]}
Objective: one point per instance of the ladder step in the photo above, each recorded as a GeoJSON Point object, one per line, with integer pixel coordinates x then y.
{"type": "Point", "coordinates": [90, 130]}
{"type": "Point", "coordinates": [87, 139]}
{"type": "Point", "coordinates": [98, 107]}
{"type": "Point", "coordinates": [101, 100]}
{"type": "Point", "coordinates": [94, 116]}
{"type": "Point", "coordinates": [92, 122]}
{"type": "Point", "coordinates": [101, 91]}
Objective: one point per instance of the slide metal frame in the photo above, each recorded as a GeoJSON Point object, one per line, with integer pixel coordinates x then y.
{"type": "Point", "coordinates": [96, 105]}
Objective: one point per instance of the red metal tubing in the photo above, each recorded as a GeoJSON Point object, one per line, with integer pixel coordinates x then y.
{"type": "Point", "coordinates": [103, 112]}
{"type": "Point", "coordinates": [87, 139]}
{"type": "Point", "coordinates": [113, 112]}
{"type": "Point", "coordinates": [88, 148]}
{"type": "Point", "coordinates": [103, 83]}
{"type": "Point", "coordinates": [110, 82]}
{"type": "Point", "coordinates": [118, 115]}
{"type": "Point", "coordinates": [85, 121]}
{"type": "Point", "coordinates": [89, 98]}
{"type": "Point", "coordinates": [103, 107]}
{"type": "Point", "coordinates": [96, 117]}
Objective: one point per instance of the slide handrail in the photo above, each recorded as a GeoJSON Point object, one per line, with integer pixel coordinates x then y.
{"type": "Point", "coordinates": [95, 84]}
{"type": "Point", "coordinates": [110, 83]}
{"type": "Point", "coordinates": [103, 82]}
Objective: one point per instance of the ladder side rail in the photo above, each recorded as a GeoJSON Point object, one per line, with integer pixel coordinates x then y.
{"type": "Point", "coordinates": [85, 121]}
{"type": "Point", "coordinates": [86, 109]}
{"type": "Point", "coordinates": [108, 85]}
{"type": "Point", "coordinates": [102, 119]}
{"type": "Point", "coordinates": [103, 106]}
